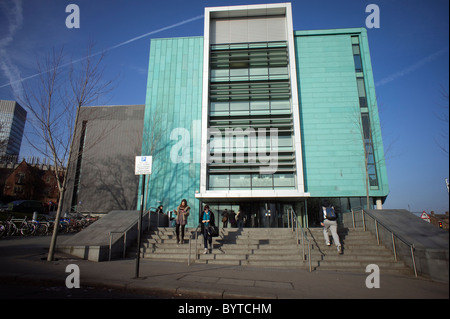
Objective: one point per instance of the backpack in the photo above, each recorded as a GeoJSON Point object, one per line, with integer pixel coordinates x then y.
{"type": "Point", "coordinates": [330, 213]}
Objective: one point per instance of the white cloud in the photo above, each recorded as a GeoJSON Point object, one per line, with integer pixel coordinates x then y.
{"type": "Point", "coordinates": [13, 12]}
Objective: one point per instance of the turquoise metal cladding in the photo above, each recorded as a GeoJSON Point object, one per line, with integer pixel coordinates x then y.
{"type": "Point", "coordinates": [172, 123]}
{"type": "Point", "coordinates": [333, 151]}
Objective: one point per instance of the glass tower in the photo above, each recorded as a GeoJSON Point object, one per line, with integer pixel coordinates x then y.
{"type": "Point", "coordinates": [12, 124]}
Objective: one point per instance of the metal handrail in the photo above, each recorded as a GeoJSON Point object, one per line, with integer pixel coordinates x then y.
{"type": "Point", "coordinates": [124, 234]}
{"type": "Point", "coordinates": [295, 224]}
{"type": "Point", "coordinates": [393, 235]}
{"type": "Point", "coordinates": [190, 237]}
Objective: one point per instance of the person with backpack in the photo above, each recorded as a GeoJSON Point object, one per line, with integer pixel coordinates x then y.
{"type": "Point", "coordinates": [328, 220]}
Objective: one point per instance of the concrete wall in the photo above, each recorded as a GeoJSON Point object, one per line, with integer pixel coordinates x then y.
{"type": "Point", "coordinates": [431, 244]}
{"type": "Point", "coordinates": [104, 158]}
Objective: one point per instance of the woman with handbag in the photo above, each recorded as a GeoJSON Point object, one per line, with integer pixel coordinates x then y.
{"type": "Point", "coordinates": [182, 213]}
{"type": "Point", "coordinates": [207, 223]}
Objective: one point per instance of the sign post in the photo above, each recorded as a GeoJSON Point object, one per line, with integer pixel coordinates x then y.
{"type": "Point", "coordinates": [143, 166]}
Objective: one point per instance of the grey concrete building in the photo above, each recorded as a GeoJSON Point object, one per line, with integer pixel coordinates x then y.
{"type": "Point", "coordinates": [101, 165]}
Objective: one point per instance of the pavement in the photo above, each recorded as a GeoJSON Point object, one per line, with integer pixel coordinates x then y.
{"type": "Point", "coordinates": [25, 273]}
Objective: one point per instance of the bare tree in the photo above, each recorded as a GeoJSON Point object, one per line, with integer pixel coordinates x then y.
{"type": "Point", "coordinates": [54, 103]}
{"type": "Point", "coordinates": [369, 133]}
{"type": "Point", "coordinates": [152, 139]}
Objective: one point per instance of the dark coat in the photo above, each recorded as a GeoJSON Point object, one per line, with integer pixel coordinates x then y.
{"type": "Point", "coordinates": [211, 221]}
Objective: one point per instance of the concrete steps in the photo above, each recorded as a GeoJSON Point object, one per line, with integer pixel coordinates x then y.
{"type": "Point", "coordinates": [360, 249]}
{"type": "Point", "coordinates": [273, 247]}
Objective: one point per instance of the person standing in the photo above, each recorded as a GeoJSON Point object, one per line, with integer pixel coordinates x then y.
{"type": "Point", "coordinates": [328, 220]}
{"type": "Point", "coordinates": [225, 218]}
{"type": "Point", "coordinates": [182, 213]}
{"type": "Point", "coordinates": [207, 221]}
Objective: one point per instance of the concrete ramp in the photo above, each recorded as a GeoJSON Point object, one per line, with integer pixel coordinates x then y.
{"type": "Point", "coordinates": [431, 243]}
{"type": "Point", "coordinates": [92, 243]}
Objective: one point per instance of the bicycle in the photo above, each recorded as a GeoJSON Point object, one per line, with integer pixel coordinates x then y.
{"type": "Point", "coordinates": [23, 227]}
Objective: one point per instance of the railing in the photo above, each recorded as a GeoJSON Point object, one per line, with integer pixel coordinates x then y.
{"type": "Point", "coordinates": [393, 235]}
{"type": "Point", "coordinates": [295, 226]}
{"type": "Point", "coordinates": [196, 246]}
{"type": "Point", "coordinates": [124, 234]}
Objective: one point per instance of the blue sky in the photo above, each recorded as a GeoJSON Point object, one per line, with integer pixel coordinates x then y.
{"type": "Point", "coordinates": [409, 52]}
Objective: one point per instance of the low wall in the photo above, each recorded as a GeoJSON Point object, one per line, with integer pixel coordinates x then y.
{"type": "Point", "coordinates": [431, 244]}
{"type": "Point", "coordinates": [92, 243]}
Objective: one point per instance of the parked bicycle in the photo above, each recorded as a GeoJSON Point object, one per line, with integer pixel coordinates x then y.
{"type": "Point", "coordinates": [41, 227]}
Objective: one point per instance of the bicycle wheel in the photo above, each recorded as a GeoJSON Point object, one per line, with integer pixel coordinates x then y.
{"type": "Point", "coordinates": [11, 229]}
{"type": "Point", "coordinates": [42, 229]}
{"type": "Point", "coordinates": [26, 229]}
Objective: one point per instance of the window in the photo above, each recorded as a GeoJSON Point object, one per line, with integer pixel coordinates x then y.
{"type": "Point", "coordinates": [20, 178]}
{"type": "Point", "coordinates": [361, 92]}
{"type": "Point", "coordinates": [356, 54]}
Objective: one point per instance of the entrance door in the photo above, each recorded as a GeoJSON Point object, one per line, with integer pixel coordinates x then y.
{"type": "Point", "coordinates": [257, 214]}
{"type": "Point", "coordinates": [262, 214]}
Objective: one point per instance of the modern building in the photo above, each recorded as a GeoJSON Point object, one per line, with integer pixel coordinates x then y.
{"type": "Point", "coordinates": [101, 164]}
{"type": "Point", "coordinates": [258, 118]}
{"type": "Point", "coordinates": [12, 125]}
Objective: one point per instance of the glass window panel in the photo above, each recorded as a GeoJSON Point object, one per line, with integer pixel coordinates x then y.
{"type": "Point", "coordinates": [262, 181]}
{"type": "Point", "coordinates": [285, 141]}
{"type": "Point", "coordinates": [361, 87]}
{"type": "Point", "coordinates": [278, 71]}
{"type": "Point", "coordinates": [219, 73]}
{"type": "Point", "coordinates": [238, 72]}
{"type": "Point", "coordinates": [373, 180]}
{"type": "Point", "coordinates": [258, 71]}
{"type": "Point", "coordinates": [358, 65]}
{"type": "Point", "coordinates": [355, 39]}
{"type": "Point", "coordinates": [239, 105]}
{"type": "Point", "coordinates": [259, 105]}
{"type": "Point", "coordinates": [283, 180]}
{"type": "Point", "coordinates": [240, 181]}
{"type": "Point", "coordinates": [278, 105]}
{"type": "Point", "coordinates": [218, 107]}
{"type": "Point", "coordinates": [219, 181]}
{"type": "Point", "coordinates": [239, 46]}
{"type": "Point", "coordinates": [363, 102]}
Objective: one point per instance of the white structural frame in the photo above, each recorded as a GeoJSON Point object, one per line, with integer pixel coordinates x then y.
{"type": "Point", "coordinates": [249, 11]}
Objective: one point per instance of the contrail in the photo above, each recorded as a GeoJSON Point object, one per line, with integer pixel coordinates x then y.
{"type": "Point", "coordinates": [411, 68]}
{"type": "Point", "coordinates": [14, 15]}
{"type": "Point", "coordinates": [111, 48]}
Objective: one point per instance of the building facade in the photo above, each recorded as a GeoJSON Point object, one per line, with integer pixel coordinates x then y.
{"type": "Point", "coordinates": [100, 171]}
{"type": "Point", "coordinates": [258, 118]}
{"type": "Point", "coordinates": [12, 125]}
{"type": "Point", "coordinates": [30, 181]}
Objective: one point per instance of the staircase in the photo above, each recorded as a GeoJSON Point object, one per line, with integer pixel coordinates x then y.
{"type": "Point", "coordinates": [360, 249]}
{"type": "Point", "coordinates": [273, 247]}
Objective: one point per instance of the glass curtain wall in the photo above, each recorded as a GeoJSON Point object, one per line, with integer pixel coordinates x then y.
{"type": "Point", "coordinates": [250, 117]}
{"type": "Point", "coordinates": [365, 116]}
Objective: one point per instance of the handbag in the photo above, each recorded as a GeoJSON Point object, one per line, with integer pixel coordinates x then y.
{"type": "Point", "coordinates": [213, 231]}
